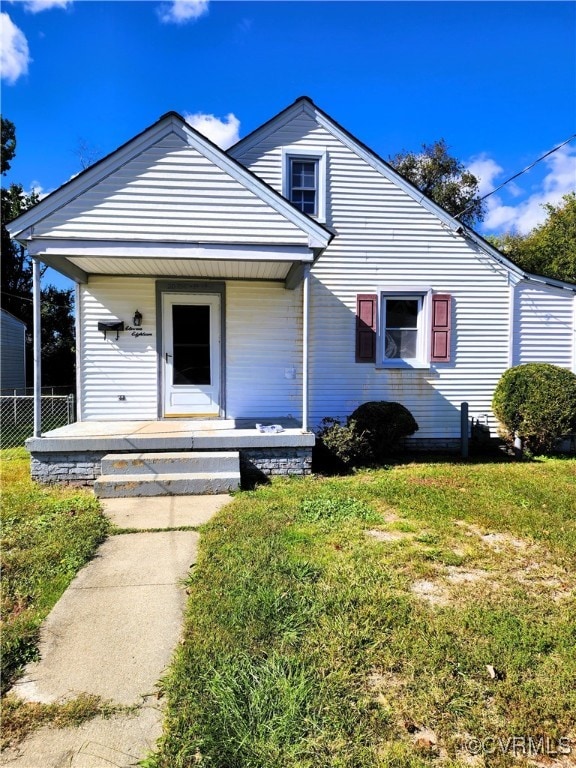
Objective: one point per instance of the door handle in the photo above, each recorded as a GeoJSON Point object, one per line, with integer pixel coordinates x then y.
{"type": "Point", "coordinates": [167, 356]}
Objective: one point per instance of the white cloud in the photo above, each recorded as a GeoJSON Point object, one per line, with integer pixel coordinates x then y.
{"type": "Point", "coordinates": [36, 187]}
{"type": "Point", "coordinates": [485, 169]}
{"type": "Point", "coordinates": [182, 11]}
{"type": "Point", "coordinates": [35, 6]}
{"type": "Point", "coordinates": [14, 53]}
{"type": "Point", "coordinates": [529, 213]}
{"type": "Point", "coordinates": [224, 132]}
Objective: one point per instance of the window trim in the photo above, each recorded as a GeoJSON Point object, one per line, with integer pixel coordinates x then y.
{"type": "Point", "coordinates": [306, 155]}
{"type": "Point", "coordinates": [422, 293]}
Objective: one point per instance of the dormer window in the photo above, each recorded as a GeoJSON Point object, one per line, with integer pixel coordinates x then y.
{"type": "Point", "coordinates": [304, 180]}
{"type": "Point", "coordinates": [303, 192]}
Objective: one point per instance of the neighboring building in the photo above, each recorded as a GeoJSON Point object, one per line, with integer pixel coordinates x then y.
{"type": "Point", "coordinates": [295, 275]}
{"type": "Point", "coordinates": [13, 350]}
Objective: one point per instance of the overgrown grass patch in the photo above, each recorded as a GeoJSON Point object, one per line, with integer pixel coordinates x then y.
{"type": "Point", "coordinates": [307, 644]}
{"type": "Point", "coordinates": [47, 535]}
{"type": "Point", "coordinates": [20, 718]}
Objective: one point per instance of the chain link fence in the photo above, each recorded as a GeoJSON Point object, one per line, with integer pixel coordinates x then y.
{"type": "Point", "coordinates": [17, 416]}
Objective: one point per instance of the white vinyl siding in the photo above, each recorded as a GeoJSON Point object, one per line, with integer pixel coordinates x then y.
{"type": "Point", "coordinates": [263, 350]}
{"type": "Point", "coordinates": [263, 339]}
{"type": "Point", "coordinates": [13, 337]}
{"type": "Point", "coordinates": [544, 326]}
{"type": "Point", "coordinates": [171, 193]}
{"type": "Point", "coordinates": [386, 239]}
{"type": "Point", "coordinates": [110, 368]}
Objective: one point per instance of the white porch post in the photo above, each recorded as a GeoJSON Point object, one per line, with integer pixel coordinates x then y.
{"type": "Point", "coordinates": [37, 349]}
{"type": "Point", "coordinates": [305, 314]}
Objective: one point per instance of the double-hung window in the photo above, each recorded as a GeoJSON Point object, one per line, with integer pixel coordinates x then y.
{"type": "Point", "coordinates": [304, 184]}
{"type": "Point", "coordinates": [403, 328]}
{"type": "Point", "coordinates": [304, 180]}
{"type": "Point", "coordinates": [401, 324]}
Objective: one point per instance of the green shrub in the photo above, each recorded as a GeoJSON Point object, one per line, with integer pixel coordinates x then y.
{"type": "Point", "coordinates": [371, 433]}
{"type": "Point", "coordinates": [536, 401]}
{"type": "Point", "coordinates": [383, 425]}
{"type": "Point", "coordinates": [344, 444]}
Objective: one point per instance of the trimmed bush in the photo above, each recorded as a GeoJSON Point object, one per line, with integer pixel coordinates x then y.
{"type": "Point", "coordinates": [383, 425]}
{"type": "Point", "coordinates": [536, 401]}
{"type": "Point", "coordinates": [371, 433]}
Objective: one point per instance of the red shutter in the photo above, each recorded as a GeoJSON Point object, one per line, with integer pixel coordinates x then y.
{"type": "Point", "coordinates": [366, 309]}
{"type": "Point", "coordinates": [441, 322]}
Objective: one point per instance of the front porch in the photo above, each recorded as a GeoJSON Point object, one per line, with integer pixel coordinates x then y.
{"type": "Point", "coordinates": [73, 454]}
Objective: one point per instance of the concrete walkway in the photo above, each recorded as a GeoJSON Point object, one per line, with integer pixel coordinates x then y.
{"type": "Point", "coordinates": [112, 634]}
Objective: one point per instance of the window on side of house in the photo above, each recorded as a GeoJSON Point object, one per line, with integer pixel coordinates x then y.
{"type": "Point", "coordinates": [303, 184]}
{"type": "Point", "coordinates": [399, 328]}
{"type": "Point", "coordinates": [304, 179]}
{"type": "Point", "coordinates": [402, 323]}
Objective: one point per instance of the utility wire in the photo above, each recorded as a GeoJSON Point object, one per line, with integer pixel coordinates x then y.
{"type": "Point", "coordinates": [528, 167]}
{"type": "Point", "coordinates": [16, 296]}
{"type": "Point", "coordinates": [25, 298]}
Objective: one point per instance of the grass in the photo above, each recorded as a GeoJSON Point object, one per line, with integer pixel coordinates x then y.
{"type": "Point", "coordinates": [396, 617]}
{"type": "Point", "coordinates": [47, 535]}
{"type": "Point", "coordinates": [20, 718]}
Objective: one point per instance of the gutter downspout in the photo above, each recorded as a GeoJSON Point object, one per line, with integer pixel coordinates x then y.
{"type": "Point", "coordinates": [305, 323]}
{"type": "Point", "coordinates": [37, 348]}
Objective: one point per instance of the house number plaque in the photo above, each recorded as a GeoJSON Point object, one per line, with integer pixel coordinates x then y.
{"type": "Point", "coordinates": [136, 331]}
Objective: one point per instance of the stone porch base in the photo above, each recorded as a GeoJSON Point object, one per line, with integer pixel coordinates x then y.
{"type": "Point", "coordinates": [72, 455]}
{"type": "Point", "coordinates": [83, 468]}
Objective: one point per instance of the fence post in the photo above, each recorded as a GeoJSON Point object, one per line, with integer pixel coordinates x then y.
{"type": "Point", "coordinates": [464, 430]}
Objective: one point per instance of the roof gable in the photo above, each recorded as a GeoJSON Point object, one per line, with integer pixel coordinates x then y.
{"type": "Point", "coordinates": [169, 183]}
{"type": "Point", "coordinates": [304, 105]}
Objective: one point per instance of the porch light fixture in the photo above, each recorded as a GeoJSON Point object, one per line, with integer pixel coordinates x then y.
{"type": "Point", "coordinates": [137, 319]}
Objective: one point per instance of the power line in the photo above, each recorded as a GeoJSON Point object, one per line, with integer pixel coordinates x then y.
{"type": "Point", "coordinates": [528, 167]}
{"type": "Point", "coordinates": [15, 296]}
{"type": "Point", "coordinates": [25, 298]}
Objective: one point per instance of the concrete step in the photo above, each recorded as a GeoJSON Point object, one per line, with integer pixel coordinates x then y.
{"type": "Point", "coordinates": [177, 462]}
{"type": "Point", "coordinates": [166, 484]}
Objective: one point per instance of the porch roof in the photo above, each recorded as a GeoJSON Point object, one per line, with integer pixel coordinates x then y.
{"type": "Point", "coordinates": [80, 259]}
{"type": "Point", "coordinates": [167, 197]}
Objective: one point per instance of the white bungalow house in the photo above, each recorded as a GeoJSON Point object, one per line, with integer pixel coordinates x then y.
{"type": "Point", "coordinates": [292, 277]}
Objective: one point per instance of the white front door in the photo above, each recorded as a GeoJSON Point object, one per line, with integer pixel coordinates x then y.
{"type": "Point", "coordinates": [191, 354]}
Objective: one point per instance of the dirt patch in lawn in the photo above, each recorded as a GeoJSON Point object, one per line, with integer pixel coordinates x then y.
{"type": "Point", "coordinates": [499, 542]}
{"type": "Point", "coordinates": [389, 536]}
{"type": "Point", "coordinates": [518, 562]}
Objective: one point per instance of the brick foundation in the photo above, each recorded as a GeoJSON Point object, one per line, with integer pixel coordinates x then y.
{"type": "Point", "coordinates": [259, 464]}
{"type": "Point", "coordinates": [67, 468]}
{"type": "Point", "coordinates": [256, 465]}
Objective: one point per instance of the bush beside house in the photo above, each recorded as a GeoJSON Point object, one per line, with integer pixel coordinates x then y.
{"type": "Point", "coordinates": [371, 434]}
{"type": "Point", "coordinates": [537, 403]}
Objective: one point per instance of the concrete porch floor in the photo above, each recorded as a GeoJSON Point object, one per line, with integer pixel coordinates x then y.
{"type": "Point", "coordinates": [168, 434]}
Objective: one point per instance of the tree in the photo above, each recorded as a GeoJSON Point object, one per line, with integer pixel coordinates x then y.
{"type": "Point", "coordinates": [8, 130]}
{"type": "Point", "coordinates": [443, 179]}
{"type": "Point", "coordinates": [57, 337]}
{"type": "Point", "coordinates": [550, 248]}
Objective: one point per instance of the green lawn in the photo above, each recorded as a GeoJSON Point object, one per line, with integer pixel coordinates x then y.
{"type": "Point", "coordinates": [405, 617]}
{"type": "Point", "coordinates": [47, 535]}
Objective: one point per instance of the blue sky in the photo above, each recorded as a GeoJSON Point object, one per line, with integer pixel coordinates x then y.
{"type": "Point", "coordinates": [497, 80]}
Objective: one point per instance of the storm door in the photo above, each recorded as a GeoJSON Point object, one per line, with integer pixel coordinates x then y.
{"type": "Point", "coordinates": [191, 354]}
